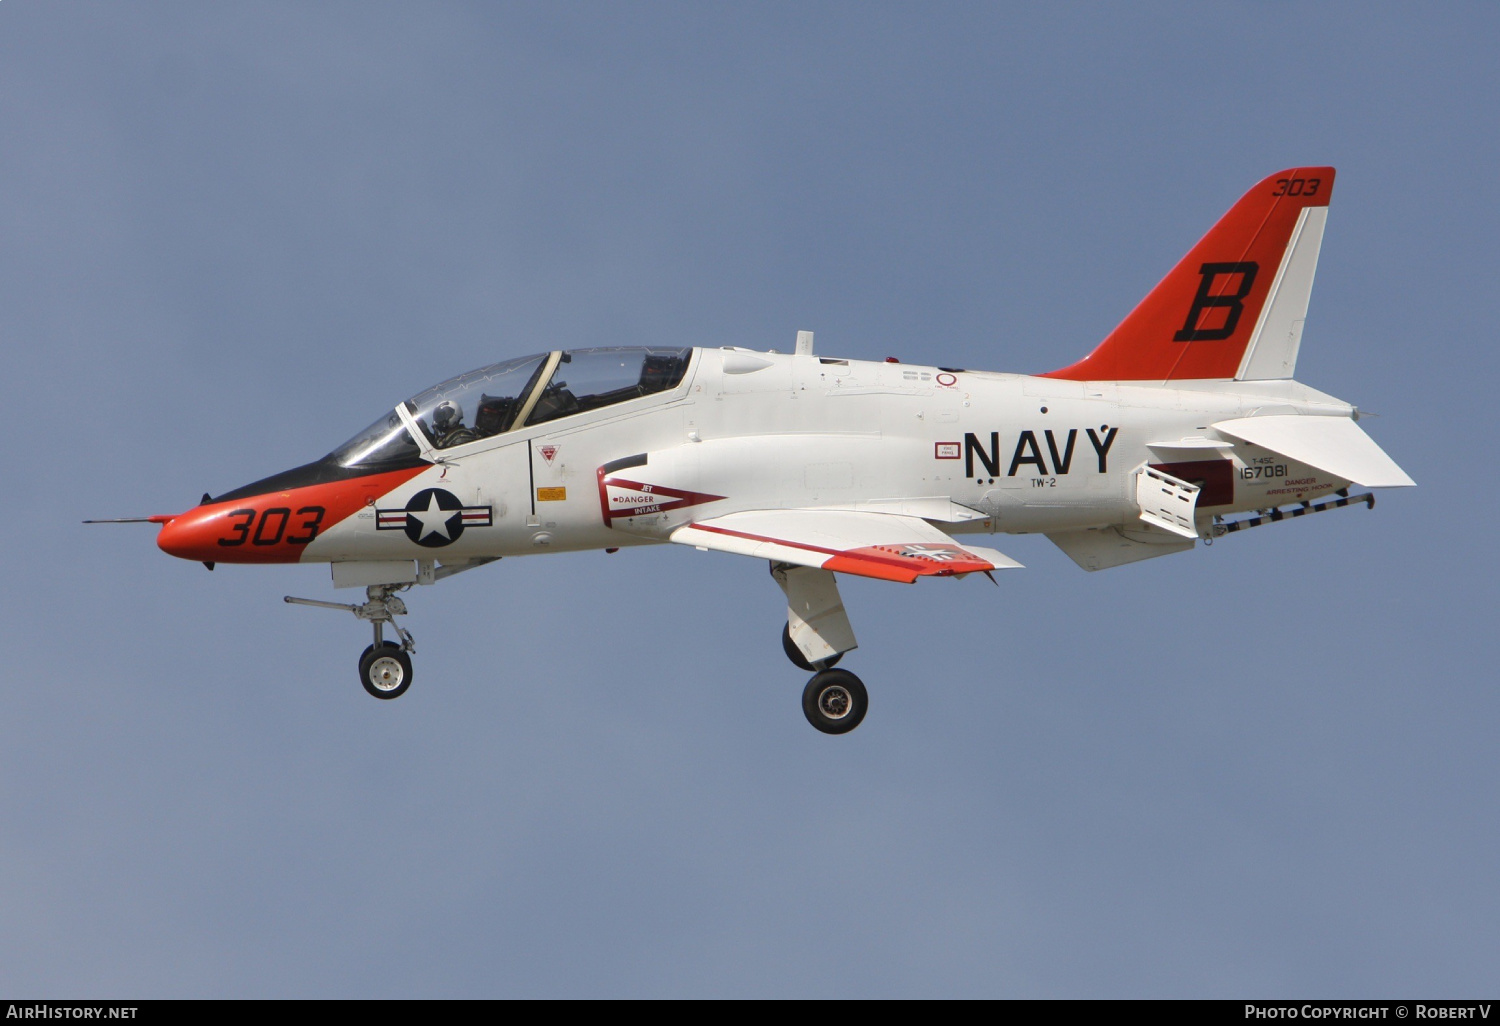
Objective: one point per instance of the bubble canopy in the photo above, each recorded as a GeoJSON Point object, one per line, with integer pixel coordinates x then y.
{"type": "Point", "coordinates": [514, 394]}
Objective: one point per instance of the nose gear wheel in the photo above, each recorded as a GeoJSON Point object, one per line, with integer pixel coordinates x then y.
{"type": "Point", "coordinates": [386, 671]}
{"type": "Point", "coordinates": [385, 667]}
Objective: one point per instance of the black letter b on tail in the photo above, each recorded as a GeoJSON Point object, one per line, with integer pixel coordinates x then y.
{"type": "Point", "coordinates": [1233, 305]}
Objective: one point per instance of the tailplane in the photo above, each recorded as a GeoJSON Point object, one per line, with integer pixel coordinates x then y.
{"type": "Point", "coordinates": [1234, 306]}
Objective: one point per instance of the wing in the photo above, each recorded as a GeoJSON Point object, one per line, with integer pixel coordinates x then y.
{"type": "Point", "coordinates": [881, 545]}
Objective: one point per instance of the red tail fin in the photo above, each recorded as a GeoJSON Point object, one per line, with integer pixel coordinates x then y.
{"type": "Point", "coordinates": [1198, 321]}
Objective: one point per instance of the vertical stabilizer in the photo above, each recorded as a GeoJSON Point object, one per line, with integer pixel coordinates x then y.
{"type": "Point", "coordinates": [1234, 306]}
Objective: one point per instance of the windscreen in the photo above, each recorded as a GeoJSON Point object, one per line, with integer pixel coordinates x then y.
{"type": "Point", "coordinates": [384, 442]}
{"type": "Point", "coordinates": [478, 404]}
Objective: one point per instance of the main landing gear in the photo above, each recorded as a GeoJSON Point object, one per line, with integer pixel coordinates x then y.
{"type": "Point", "coordinates": [816, 636]}
{"type": "Point", "coordinates": [798, 659]}
{"type": "Point", "coordinates": [384, 667]}
{"type": "Point", "coordinates": [835, 701]}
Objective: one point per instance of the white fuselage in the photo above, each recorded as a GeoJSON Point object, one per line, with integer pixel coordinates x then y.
{"type": "Point", "coordinates": [979, 451]}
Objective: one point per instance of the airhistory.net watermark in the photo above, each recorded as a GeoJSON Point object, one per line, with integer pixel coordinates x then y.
{"type": "Point", "coordinates": [43, 1010]}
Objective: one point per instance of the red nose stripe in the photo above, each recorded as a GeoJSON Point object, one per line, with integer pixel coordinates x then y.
{"type": "Point", "coordinates": [275, 527]}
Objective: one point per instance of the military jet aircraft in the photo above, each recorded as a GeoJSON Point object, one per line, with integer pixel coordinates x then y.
{"type": "Point", "coordinates": [1184, 424]}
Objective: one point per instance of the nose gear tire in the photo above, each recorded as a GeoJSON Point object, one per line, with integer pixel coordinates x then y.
{"type": "Point", "coordinates": [835, 701]}
{"type": "Point", "coordinates": [385, 672]}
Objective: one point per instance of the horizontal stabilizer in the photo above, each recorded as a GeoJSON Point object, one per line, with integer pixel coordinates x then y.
{"type": "Point", "coordinates": [1335, 445]}
{"type": "Point", "coordinates": [879, 545]}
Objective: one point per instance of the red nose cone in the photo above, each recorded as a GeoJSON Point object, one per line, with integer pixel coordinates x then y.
{"type": "Point", "coordinates": [275, 526]}
{"type": "Point", "coordinates": [196, 534]}
{"type": "Point", "coordinates": [271, 528]}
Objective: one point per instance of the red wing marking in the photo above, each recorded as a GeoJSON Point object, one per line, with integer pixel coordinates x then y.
{"type": "Point", "coordinates": [901, 562]}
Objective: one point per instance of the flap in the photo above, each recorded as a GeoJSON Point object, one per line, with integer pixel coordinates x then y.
{"type": "Point", "coordinates": [1335, 445]}
{"type": "Point", "coordinates": [880, 545]}
{"type": "Point", "coordinates": [927, 508]}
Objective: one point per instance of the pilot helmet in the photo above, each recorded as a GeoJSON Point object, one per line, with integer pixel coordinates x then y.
{"type": "Point", "coordinates": [447, 415]}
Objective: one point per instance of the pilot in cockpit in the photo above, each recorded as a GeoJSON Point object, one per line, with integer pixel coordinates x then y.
{"type": "Point", "coordinates": [448, 425]}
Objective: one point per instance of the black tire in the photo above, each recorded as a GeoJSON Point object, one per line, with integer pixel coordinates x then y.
{"type": "Point", "coordinates": [795, 654]}
{"type": "Point", "coordinates": [835, 701]}
{"type": "Point", "coordinates": [371, 648]}
{"type": "Point", "coordinates": [385, 673]}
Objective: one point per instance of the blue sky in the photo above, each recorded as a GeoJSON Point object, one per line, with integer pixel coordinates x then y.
{"type": "Point", "coordinates": [233, 234]}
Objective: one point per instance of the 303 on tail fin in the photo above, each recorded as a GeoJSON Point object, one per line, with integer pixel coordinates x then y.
{"type": "Point", "coordinates": [1234, 306]}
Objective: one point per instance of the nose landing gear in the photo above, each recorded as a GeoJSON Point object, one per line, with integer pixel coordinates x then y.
{"type": "Point", "coordinates": [385, 667]}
